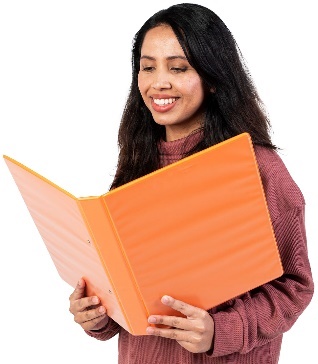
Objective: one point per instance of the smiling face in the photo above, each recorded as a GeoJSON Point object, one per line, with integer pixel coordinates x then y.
{"type": "Point", "coordinates": [170, 87]}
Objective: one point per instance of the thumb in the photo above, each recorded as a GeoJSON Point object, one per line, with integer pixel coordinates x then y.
{"type": "Point", "coordinates": [79, 291]}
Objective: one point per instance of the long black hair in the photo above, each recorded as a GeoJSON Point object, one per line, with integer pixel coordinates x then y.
{"type": "Point", "coordinates": [233, 108]}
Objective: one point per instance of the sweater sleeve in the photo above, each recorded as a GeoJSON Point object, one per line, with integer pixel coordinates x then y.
{"type": "Point", "coordinates": [255, 318]}
{"type": "Point", "coordinates": [111, 329]}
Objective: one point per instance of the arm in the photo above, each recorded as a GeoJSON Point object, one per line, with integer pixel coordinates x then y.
{"type": "Point", "coordinates": [270, 310]}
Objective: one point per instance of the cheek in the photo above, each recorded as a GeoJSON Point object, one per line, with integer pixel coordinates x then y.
{"type": "Point", "coordinates": [195, 91]}
{"type": "Point", "coordinates": [143, 88]}
{"type": "Point", "coordinates": [191, 85]}
{"type": "Point", "coordinates": [197, 87]}
{"type": "Point", "coordinates": [142, 85]}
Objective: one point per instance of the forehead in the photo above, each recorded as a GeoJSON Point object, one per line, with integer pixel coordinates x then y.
{"type": "Point", "coordinates": [161, 42]}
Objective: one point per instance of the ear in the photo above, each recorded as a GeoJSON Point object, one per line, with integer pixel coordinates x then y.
{"type": "Point", "coordinates": [212, 90]}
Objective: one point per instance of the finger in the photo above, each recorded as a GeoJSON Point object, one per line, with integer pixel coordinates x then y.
{"type": "Point", "coordinates": [94, 321]}
{"type": "Point", "coordinates": [89, 315]}
{"type": "Point", "coordinates": [173, 321]}
{"type": "Point", "coordinates": [186, 309]}
{"type": "Point", "coordinates": [174, 334]}
{"type": "Point", "coordinates": [83, 304]}
{"type": "Point", "coordinates": [91, 325]}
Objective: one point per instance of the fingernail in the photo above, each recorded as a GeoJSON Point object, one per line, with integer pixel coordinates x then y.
{"type": "Point", "coordinates": [101, 309]}
{"type": "Point", "coordinates": [152, 320]}
{"type": "Point", "coordinates": [150, 330]}
{"type": "Point", "coordinates": [165, 299]}
{"type": "Point", "coordinates": [95, 300]}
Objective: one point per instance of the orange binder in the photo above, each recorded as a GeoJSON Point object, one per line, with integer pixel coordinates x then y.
{"type": "Point", "coordinates": [198, 230]}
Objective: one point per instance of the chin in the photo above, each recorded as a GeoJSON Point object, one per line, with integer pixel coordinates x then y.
{"type": "Point", "coordinates": [164, 121]}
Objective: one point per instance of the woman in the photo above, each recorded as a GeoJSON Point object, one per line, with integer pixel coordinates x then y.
{"type": "Point", "coordinates": [190, 90]}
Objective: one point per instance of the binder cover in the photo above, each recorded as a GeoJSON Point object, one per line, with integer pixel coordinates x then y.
{"type": "Point", "coordinates": [198, 230]}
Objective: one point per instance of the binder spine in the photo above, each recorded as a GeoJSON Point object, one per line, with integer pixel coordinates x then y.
{"type": "Point", "coordinates": [122, 299]}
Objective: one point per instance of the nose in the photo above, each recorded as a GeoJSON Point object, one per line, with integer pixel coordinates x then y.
{"type": "Point", "coordinates": [161, 81]}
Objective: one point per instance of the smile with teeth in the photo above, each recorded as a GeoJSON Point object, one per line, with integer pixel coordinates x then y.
{"type": "Point", "coordinates": [162, 102]}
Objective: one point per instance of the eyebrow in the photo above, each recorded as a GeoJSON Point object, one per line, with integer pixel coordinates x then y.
{"type": "Point", "coordinates": [170, 58]}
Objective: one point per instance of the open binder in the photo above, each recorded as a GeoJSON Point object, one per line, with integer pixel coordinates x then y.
{"type": "Point", "coordinates": [198, 230]}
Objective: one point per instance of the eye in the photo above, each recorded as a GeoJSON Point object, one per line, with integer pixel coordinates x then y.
{"type": "Point", "coordinates": [179, 69]}
{"type": "Point", "coordinates": [148, 69]}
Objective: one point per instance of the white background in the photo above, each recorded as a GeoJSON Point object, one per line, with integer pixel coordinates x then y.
{"type": "Point", "coordinates": [64, 77]}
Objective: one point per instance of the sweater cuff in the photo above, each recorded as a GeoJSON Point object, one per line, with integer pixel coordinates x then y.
{"type": "Point", "coordinates": [228, 333]}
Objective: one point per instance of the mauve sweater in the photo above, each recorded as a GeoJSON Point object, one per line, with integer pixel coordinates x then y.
{"type": "Point", "coordinates": [248, 328]}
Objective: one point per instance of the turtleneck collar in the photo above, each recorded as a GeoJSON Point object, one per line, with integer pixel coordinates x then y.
{"type": "Point", "coordinates": [174, 150]}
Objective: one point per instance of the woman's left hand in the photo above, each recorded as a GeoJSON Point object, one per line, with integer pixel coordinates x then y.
{"type": "Point", "coordinates": [194, 332]}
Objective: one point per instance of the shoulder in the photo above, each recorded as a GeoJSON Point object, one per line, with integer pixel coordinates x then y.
{"type": "Point", "coordinates": [269, 162]}
{"type": "Point", "coordinates": [281, 191]}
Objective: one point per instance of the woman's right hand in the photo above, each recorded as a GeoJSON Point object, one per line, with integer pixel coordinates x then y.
{"type": "Point", "coordinates": [87, 311]}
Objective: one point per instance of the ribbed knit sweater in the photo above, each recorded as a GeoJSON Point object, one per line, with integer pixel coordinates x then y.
{"type": "Point", "coordinates": [250, 327]}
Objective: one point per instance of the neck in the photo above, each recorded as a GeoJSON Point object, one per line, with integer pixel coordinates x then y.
{"type": "Point", "coordinates": [173, 133]}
